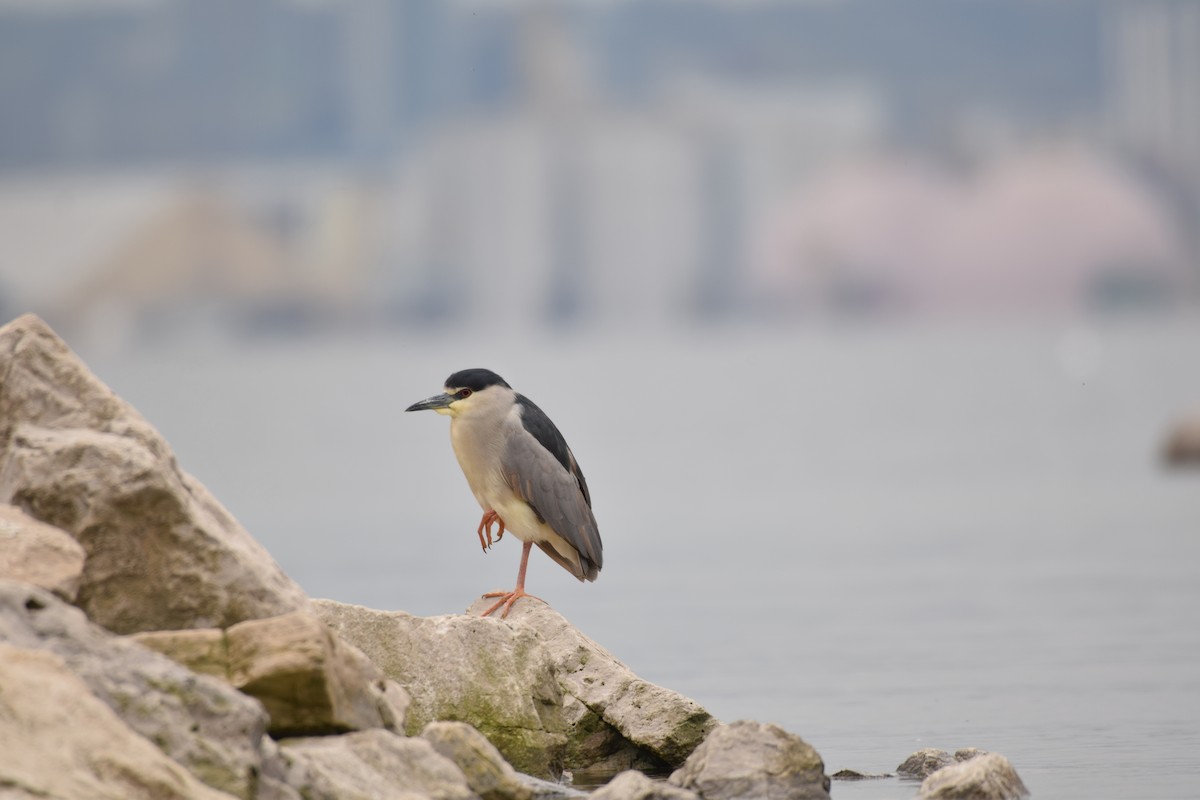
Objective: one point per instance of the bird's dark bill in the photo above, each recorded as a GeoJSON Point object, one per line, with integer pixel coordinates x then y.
{"type": "Point", "coordinates": [437, 401]}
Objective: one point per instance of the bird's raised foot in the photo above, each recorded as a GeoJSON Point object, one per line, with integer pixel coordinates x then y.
{"type": "Point", "coordinates": [490, 518]}
{"type": "Point", "coordinates": [507, 599]}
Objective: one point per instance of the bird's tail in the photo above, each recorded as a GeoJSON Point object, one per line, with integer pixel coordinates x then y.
{"type": "Point", "coordinates": [576, 563]}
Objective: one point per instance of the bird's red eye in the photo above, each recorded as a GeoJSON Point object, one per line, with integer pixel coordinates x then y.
{"type": "Point", "coordinates": [463, 394]}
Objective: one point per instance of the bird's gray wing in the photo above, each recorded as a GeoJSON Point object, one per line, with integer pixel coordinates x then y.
{"type": "Point", "coordinates": [554, 492]}
{"type": "Point", "coordinates": [534, 420]}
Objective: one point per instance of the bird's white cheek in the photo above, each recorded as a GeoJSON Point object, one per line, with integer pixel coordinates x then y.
{"type": "Point", "coordinates": [445, 412]}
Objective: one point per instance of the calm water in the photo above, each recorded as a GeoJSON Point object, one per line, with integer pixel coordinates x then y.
{"type": "Point", "coordinates": [880, 538]}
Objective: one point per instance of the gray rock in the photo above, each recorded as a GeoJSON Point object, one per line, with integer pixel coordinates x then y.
{"type": "Point", "coordinates": [488, 774]}
{"type": "Point", "coordinates": [393, 701]}
{"type": "Point", "coordinates": [986, 777]}
{"type": "Point", "coordinates": [371, 765]}
{"type": "Point", "coordinates": [37, 553]}
{"type": "Point", "coordinates": [60, 741]}
{"type": "Point", "coordinates": [546, 695]}
{"type": "Point", "coordinates": [924, 762]}
{"type": "Point", "coordinates": [200, 722]}
{"type": "Point", "coordinates": [497, 677]}
{"type": "Point", "coordinates": [655, 720]}
{"type": "Point", "coordinates": [310, 681]}
{"type": "Point", "coordinates": [1183, 442]}
{"type": "Point", "coordinates": [754, 759]}
{"type": "Point", "coordinates": [273, 780]}
{"type": "Point", "coordinates": [161, 552]}
{"type": "Point", "coordinates": [633, 785]}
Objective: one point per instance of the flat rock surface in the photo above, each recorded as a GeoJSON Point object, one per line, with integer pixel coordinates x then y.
{"type": "Point", "coordinates": [162, 553]}
{"type": "Point", "coordinates": [37, 553]}
{"type": "Point", "coordinates": [204, 651]}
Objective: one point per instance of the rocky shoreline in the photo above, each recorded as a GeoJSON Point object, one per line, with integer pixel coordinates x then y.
{"type": "Point", "coordinates": [150, 648]}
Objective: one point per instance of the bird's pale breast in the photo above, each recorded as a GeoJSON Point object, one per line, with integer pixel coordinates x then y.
{"type": "Point", "coordinates": [479, 456]}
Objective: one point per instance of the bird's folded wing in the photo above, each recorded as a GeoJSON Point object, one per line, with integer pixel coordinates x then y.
{"type": "Point", "coordinates": [554, 494]}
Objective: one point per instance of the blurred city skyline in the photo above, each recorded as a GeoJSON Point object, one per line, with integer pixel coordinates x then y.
{"type": "Point", "coordinates": [280, 165]}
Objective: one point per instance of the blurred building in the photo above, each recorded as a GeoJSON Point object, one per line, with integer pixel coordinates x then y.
{"type": "Point", "coordinates": [570, 206]}
{"type": "Point", "coordinates": [416, 162]}
{"type": "Point", "coordinates": [1153, 49]}
{"type": "Point", "coordinates": [1153, 71]}
{"type": "Point", "coordinates": [135, 256]}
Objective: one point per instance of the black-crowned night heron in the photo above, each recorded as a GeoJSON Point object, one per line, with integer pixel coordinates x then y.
{"type": "Point", "coordinates": [522, 473]}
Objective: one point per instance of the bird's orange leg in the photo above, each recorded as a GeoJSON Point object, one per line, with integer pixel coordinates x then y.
{"type": "Point", "coordinates": [490, 518]}
{"type": "Point", "coordinates": [508, 598]}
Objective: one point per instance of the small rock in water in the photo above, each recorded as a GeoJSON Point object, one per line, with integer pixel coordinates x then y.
{"type": "Point", "coordinates": [987, 777]}
{"type": "Point", "coordinates": [1182, 447]}
{"type": "Point", "coordinates": [924, 763]}
{"type": "Point", "coordinates": [855, 775]}
{"type": "Point", "coordinates": [967, 753]}
{"type": "Point", "coordinates": [754, 759]}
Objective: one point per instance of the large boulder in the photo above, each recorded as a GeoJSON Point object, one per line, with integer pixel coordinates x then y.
{"type": "Point", "coordinates": [162, 553]}
{"type": "Point", "coordinates": [753, 759]}
{"type": "Point", "coordinates": [59, 740]}
{"type": "Point", "coordinates": [615, 718]}
{"type": "Point", "coordinates": [499, 678]}
{"type": "Point", "coordinates": [544, 694]}
{"type": "Point", "coordinates": [200, 722]}
{"type": "Point", "coordinates": [37, 553]}
{"type": "Point", "coordinates": [372, 765]}
{"type": "Point", "coordinates": [990, 776]}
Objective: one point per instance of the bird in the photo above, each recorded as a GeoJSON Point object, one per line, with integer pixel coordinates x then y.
{"type": "Point", "coordinates": [523, 475]}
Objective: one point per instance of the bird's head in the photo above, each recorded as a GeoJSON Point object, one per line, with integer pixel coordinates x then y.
{"type": "Point", "coordinates": [465, 391]}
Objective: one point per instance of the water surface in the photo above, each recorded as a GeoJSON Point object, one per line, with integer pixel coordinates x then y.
{"type": "Point", "coordinates": [881, 538]}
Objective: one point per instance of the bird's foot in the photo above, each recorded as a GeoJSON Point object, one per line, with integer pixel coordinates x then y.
{"type": "Point", "coordinates": [490, 518]}
{"type": "Point", "coordinates": [507, 599]}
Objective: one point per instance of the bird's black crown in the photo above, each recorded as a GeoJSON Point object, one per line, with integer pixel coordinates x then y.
{"type": "Point", "coordinates": [475, 379]}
